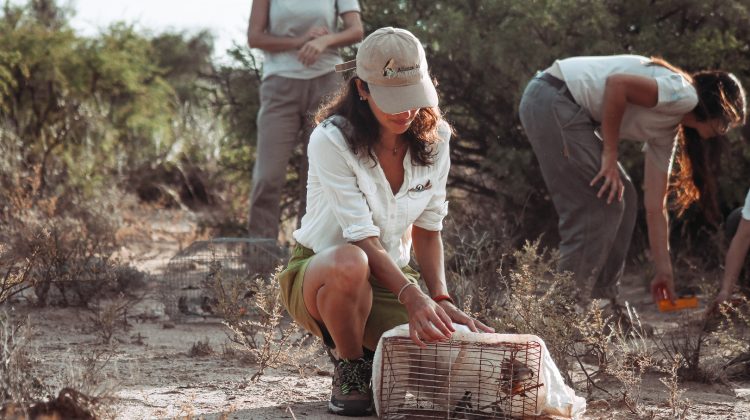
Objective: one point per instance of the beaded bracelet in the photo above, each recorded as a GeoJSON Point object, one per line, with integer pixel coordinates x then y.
{"type": "Point", "coordinates": [398, 297]}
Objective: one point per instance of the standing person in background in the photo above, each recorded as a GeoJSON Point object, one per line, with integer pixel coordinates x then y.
{"type": "Point", "coordinates": [737, 228]}
{"type": "Point", "coordinates": [575, 114]}
{"type": "Point", "coordinates": [299, 41]}
{"type": "Point", "coordinates": [379, 164]}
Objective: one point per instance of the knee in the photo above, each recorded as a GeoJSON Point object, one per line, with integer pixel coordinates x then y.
{"type": "Point", "coordinates": [349, 268]}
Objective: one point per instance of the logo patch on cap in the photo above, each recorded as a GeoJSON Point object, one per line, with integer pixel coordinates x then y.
{"type": "Point", "coordinates": [389, 71]}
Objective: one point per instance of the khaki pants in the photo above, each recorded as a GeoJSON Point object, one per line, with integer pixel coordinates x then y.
{"type": "Point", "coordinates": [285, 116]}
{"type": "Point", "coordinates": [594, 236]}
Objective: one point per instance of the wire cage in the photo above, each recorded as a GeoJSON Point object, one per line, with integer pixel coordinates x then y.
{"type": "Point", "coordinates": [458, 380]}
{"type": "Point", "coordinates": [184, 290]}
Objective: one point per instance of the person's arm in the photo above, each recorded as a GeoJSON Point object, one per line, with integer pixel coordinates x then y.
{"type": "Point", "coordinates": [619, 90]}
{"type": "Point", "coordinates": [733, 263]}
{"type": "Point", "coordinates": [655, 186]}
{"type": "Point", "coordinates": [258, 37]}
{"type": "Point", "coordinates": [427, 320]}
{"type": "Point", "coordinates": [428, 250]}
{"type": "Point", "coordinates": [351, 33]}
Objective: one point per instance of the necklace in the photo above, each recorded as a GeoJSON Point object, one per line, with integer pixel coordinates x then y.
{"type": "Point", "coordinates": [394, 149]}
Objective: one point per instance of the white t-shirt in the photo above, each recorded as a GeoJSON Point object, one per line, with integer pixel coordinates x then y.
{"type": "Point", "coordinates": [290, 18]}
{"type": "Point", "coordinates": [746, 207]}
{"type": "Point", "coordinates": [657, 126]}
{"type": "Point", "coordinates": [349, 199]}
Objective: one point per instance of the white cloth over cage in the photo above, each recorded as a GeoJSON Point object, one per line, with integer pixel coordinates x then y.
{"type": "Point", "coordinates": [554, 397]}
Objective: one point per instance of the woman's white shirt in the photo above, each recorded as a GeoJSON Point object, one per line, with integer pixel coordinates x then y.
{"type": "Point", "coordinates": [349, 198]}
{"type": "Point", "coordinates": [657, 127]}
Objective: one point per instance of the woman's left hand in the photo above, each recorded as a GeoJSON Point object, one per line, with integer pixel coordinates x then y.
{"type": "Point", "coordinates": [460, 317]}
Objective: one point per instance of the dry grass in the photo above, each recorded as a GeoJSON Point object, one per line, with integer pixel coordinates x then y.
{"type": "Point", "coordinates": [84, 391]}
{"type": "Point", "coordinates": [539, 300]}
{"type": "Point", "coordinates": [531, 296]}
{"type": "Point", "coordinates": [258, 325]}
{"type": "Point", "coordinates": [19, 386]}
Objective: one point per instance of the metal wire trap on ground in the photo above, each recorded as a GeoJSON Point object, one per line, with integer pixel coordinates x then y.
{"type": "Point", "coordinates": [458, 380]}
{"type": "Point", "coordinates": [185, 289]}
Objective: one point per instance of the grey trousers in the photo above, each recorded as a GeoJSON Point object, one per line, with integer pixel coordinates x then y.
{"type": "Point", "coordinates": [594, 236]}
{"type": "Point", "coordinates": [284, 120]}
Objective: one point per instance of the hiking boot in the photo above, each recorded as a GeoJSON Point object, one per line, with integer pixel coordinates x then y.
{"type": "Point", "coordinates": [351, 394]}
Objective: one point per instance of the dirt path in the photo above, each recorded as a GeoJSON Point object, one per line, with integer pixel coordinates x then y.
{"type": "Point", "coordinates": [153, 374]}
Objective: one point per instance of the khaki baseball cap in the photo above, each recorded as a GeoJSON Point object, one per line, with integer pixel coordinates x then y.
{"type": "Point", "coordinates": [392, 62]}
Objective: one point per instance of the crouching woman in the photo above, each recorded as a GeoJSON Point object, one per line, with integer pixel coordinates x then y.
{"type": "Point", "coordinates": [378, 165]}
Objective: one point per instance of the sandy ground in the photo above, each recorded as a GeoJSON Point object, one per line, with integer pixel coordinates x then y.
{"type": "Point", "coordinates": [153, 375]}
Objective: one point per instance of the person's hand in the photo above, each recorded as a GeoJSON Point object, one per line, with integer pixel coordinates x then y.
{"type": "Point", "coordinates": [610, 174]}
{"type": "Point", "coordinates": [720, 298]}
{"type": "Point", "coordinates": [311, 50]}
{"type": "Point", "coordinates": [316, 31]}
{"type": "Point", "coordinates": [460, 317]}
{"type": "Point", "coordinates": [662, 287]}
{"type": "Point", "coordinates": [428, 322]}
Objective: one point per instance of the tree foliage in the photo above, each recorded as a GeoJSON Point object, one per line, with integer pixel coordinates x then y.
{"type": "Point", "coordinates": [149, 111]}
{"type": "Point", "coordinates": [87, 113]}
{"type": "Point", "coordinates": [483, 52]}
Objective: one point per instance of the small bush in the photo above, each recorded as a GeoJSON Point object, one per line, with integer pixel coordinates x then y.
{"type": "Point", "coordinates": [18, 385]}
{"type": "Point", "coordinates": [541, 301]}
{"type": "Point", "coordinates": [259, 328]}
{"type": "Point", "coordinates": [108, 316]}
{"type": "Point", "coordinates": [201, 349]}
{"type": "Point", "coordinates": [630, 358]}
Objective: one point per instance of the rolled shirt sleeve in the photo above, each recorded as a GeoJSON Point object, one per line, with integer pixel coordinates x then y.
{"type": "Point", "coordinates": [339, 184]}
{"type": "Point", "coordinates": [746, 207]}
{"type": "Point", "coordinates": [345, 6]}
{"type": "Point", "coordinates": [437, 208]}
{"type": "Point", "coordinates": [676, 95]}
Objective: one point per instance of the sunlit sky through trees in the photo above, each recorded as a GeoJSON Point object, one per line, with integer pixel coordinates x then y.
{"type": "Point", "coordinates": [226, 19]}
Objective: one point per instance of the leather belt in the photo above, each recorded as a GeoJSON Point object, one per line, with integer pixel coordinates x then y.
{"type": "Point", "coordinates": [557, 84]}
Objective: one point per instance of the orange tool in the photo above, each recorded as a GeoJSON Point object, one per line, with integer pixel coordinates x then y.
{"type": "Point", "coordinates": [684, 301]}
{"type": "Point", "coordinates": [679, 304]}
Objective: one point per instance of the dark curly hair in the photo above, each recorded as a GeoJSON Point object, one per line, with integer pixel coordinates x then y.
{"type": "Point", "coordinates": [363, 129]}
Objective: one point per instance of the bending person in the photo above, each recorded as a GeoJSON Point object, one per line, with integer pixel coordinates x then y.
{"type": "Point", "coordinates": [377, 185]}
{"type": "Point", "coordinates": [575, 114]}
{"type": "Point", "coordinates": [299, 41]}
{"type": "Point", "coordinates": [738, 228]}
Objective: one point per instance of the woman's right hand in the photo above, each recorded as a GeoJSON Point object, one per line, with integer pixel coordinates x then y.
{"type": "Point", "coordinates": [312, 45]}
{"type": "Point", "coordinates": [662, 287]}
{"type": "Point", "coordinates": [428, 322]}
{"type": "Point", "coordinates": [610, 174]}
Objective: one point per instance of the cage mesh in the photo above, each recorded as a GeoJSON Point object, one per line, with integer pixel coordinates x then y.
{"type": "Point", "coordinates": [459, 380]}
{"type": "Point", "coordinates": [184, 288]}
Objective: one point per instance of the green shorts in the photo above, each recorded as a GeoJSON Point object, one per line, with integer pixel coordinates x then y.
{"type": "Point", "coordinates": [386, 311]}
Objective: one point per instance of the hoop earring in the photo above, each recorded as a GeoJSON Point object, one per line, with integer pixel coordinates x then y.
{"type": "Point", "coordinates": [362, 98]}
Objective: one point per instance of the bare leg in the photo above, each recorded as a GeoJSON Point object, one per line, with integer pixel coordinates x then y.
{"type": "Point", "coordinates": [337, 294]}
